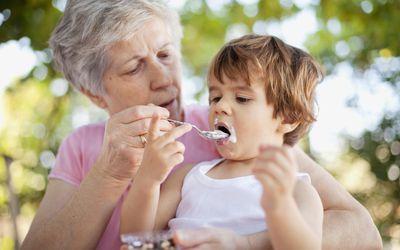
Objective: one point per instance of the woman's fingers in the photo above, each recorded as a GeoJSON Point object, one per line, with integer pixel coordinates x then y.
{"type": "Point", "coordinates": [141, 127]}
{"type": "Point", "coordinates": [130, 133]}
{"type": "Point", "coordinates": [139, 112]}
{"type": "Point", "coordinates": [154, 128]}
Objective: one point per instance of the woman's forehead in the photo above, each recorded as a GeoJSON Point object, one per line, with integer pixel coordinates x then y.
{"type": "Point", "coordinates": [152, 37]}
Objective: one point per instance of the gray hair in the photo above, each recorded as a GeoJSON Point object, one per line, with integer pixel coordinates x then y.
{"type": "Point", "coordinates": [89, 27]}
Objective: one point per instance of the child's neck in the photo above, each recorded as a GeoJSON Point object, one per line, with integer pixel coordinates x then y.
{"type": "Point", "coordinates": [232, 168]}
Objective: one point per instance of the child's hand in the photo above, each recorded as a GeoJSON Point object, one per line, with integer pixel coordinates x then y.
{"type": "Point", "coordinates": [276, 169]}
{"type": "Point", "coordinates": [162, 153]}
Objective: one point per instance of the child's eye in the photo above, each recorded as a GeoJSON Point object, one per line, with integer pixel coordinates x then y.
{"type": "Point", "coordinates": [215, 99]}
{"type": "Point", "coordinates": [242, 99]}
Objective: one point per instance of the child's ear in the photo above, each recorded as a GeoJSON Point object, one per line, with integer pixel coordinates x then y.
{"type": "Point", "coordinates": [285, 128]}
{"type": "Point", "coordinates": [96, 99]}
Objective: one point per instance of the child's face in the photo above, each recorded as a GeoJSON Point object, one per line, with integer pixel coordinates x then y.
{"type": "Point", "coordinates": [243, 110]}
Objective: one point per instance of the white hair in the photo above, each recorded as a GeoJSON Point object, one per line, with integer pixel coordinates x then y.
{"type": "Point", "coordinates": [89, 27]}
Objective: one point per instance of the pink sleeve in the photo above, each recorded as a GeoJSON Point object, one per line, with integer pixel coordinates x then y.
{"type": "Point", "coordinates": [69, 165]}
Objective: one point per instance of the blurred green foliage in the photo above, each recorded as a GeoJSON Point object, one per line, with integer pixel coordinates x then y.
{"type": "Point", "coordinates": [37, 120]}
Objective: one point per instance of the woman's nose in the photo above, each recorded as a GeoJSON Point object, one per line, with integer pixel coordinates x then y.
{"type": "Point", "coordinates": [160, 75]}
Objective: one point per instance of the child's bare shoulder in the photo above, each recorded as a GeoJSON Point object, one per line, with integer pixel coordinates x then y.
{"type": "Point", "coordinates": [176, 178]}
{"type": "Point", "coordinates": [305, 193]}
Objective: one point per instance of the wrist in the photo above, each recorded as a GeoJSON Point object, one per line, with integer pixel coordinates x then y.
{"type": "Point", "coordinates": [103, 186]}
{"type": "Point", "coordinates": [145, 180]}
{"type": "Point", "coordinates": [107, 176]}
{"type": "Point", "coordinates": [280, 207]}
{"type": "Point", "coordinates": [107, 172]}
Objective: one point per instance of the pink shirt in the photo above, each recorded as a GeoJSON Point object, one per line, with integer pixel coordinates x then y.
{"type": "Point", "coordinates": [79, 151]}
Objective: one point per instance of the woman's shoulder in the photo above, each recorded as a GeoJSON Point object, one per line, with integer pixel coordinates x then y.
{"type": "Point", "coordinates": [77, 153]}
{"type": "Point", "coordinates": [90, 134]}
{"type": "Point", "coordinates": [89, 130]}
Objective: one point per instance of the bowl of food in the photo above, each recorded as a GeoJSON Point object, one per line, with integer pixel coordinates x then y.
{"type": "Point", "coordinates": [158, 240]}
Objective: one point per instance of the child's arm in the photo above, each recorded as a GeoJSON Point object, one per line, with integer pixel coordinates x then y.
{"type": "Point", "coordinates": [160, 156]}
{"type": "Point", "coordinates": [298, 225]}
{"type": "Point", "coordinates": [170, 197]}
{"type": "Point", "coordinates": [293, 209]}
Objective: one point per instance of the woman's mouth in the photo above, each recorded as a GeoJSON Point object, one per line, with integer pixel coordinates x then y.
{"type": "Point", "coordinates": [167, 104]}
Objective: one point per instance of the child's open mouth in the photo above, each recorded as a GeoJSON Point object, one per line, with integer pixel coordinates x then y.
{"type": "Point", "coordinates": [226, 129]}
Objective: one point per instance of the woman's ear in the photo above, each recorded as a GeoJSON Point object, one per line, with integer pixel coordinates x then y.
{"type": "Point", "coordinates": [96, 99]}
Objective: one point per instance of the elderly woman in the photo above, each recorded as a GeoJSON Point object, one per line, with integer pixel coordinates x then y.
{"type": "Point", "coordinates": [125, 56]}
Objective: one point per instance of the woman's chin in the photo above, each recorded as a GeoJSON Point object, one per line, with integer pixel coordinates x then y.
{"type": "Point", "coordinates": [174, 109]}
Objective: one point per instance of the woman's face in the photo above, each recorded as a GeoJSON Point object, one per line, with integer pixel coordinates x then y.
{"type": "Point", "coordinates": [144, 69]}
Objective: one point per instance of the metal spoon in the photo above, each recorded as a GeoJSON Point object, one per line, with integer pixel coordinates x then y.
{"type": "Point", "coordinates": [211, 135]}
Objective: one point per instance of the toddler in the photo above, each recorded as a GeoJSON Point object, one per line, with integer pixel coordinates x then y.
{"type": "Point", "coordinates": [261, 93]}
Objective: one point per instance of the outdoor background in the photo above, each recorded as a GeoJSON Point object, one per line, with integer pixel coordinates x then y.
{"type": "Point", "coordinates": [356, 138]}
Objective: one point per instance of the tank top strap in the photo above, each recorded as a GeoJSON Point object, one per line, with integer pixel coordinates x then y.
{"type": "Point", "coordinates": [207, 166]}
{"type": "Point", "coordinates": [304, 177]}
{"type": "Point", "coordinates": [197, 172]}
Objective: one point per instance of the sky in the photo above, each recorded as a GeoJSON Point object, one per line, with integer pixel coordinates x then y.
{"type": "Point", "coordinates": [335, 118]}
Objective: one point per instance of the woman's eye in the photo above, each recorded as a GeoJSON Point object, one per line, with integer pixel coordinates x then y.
{"type": "Point", "coordinates": [242, 99]}
{"type": "Point", "coordinates": [163, 55]}
{"type": "Point", "coordinates": [134, 71]}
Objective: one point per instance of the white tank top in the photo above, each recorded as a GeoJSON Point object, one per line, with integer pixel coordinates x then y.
{"type": "Point", "coordinates": [224, 203]}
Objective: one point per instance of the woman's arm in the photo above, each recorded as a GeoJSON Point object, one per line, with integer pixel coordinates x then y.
{"type": "Point", "coordinates": [347, 224]}
{"type": "Point", "coordinates": [221, 239]}
{"type": "Point", "coordinates": [58, 222]}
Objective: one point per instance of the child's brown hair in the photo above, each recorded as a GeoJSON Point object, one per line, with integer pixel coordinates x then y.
{"type": "Point", "coordinates": [290, 76]}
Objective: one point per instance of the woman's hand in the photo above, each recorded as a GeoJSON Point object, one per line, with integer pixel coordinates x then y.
{"type": "Point", "coordinates": [276, 169]}
{"type": "Point", "coordinates": [122, 148]}
{"type": "Point", "coordinates": [210, 238]}
{"type": "Point", "coordinates": [161, 153]}
{"type": "Point", "coordinates": [218, 238]}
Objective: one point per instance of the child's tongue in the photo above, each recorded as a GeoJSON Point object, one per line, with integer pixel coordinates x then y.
{"type": "Point", "coordinates": [232, 138]}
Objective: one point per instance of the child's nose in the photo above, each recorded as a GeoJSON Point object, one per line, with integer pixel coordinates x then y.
{"type": "Point", "coordinates": [223, 107]}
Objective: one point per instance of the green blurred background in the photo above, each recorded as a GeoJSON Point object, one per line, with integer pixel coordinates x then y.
{"type": "Point", "coordinates": [357, 137]}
